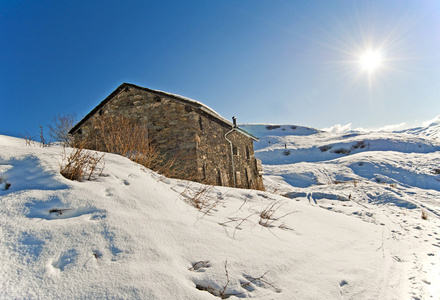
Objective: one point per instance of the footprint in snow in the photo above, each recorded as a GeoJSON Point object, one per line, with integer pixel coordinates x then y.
{"type": "Point", "coordinates": [56, 265]}
{"type": "Point", "coordinates": [344, 287]}
{"type": "Point", "coordinates": [108, 192]}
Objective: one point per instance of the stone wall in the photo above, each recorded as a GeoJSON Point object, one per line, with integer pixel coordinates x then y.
{"type": "Point", "coordinates": [189, 135]}
{"type": "Point", "coordinates": [215, 156]}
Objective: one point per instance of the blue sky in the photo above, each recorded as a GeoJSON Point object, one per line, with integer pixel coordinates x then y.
{"type": "Point", "coordinates": [287, 62]}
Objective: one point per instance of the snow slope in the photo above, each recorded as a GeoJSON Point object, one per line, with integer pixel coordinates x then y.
{"type": "Point", "coordinates": [376, 176]}
{"type": "Point", "coordinates": [134, 234]}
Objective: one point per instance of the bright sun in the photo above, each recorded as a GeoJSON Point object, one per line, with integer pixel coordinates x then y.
{"type": "Point", "coordinates": [370, 61]}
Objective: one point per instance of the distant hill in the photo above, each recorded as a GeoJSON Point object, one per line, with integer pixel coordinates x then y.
{"type": "Point", "coordinates": [431, 131]}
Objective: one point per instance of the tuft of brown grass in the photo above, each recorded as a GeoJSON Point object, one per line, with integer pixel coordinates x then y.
{"type": "Point", "coordinates": [424, 215]}
{"type": "Point", "coordinates": [81, 164]}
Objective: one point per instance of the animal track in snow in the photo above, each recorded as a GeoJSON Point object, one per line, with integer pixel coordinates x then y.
{"type": "Point", "coordinates": [108, 192]}
{"type": "Point", "coordinates": [56, 265]}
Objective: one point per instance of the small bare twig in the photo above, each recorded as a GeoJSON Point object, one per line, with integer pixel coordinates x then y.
{"type": "Point", "coordinates": [222, 291]}
{"type": "Point", "coordinates": [43, 141]}
{"type": "Point", "coordinates": [258, 280]}
{"type": "Point", "coordinates": [58, 211]}
{"type": "Point", "coordinates": [239, 221]}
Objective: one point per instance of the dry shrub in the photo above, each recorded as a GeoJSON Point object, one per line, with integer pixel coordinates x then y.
{"type": "Point", "coordinates": [128, 138]}
{"type": "Point", "coordinates": [80, 164]}
{"type": "Point", "coordinates": [201, 197]}
{"type": "Point", "coordinates": [267, 215]}
{"type": "Point", "coordinates": [59, 129]}
{"type": "Point", "coordinates": [424, 215]}
{"type": "Point", "coordinates": [43, 141]}
{"type": "Point", "coordinates": [30, 140]}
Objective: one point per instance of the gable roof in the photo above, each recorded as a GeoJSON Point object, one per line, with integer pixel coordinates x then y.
{"type": "Point", "coordinates": [191, 102]}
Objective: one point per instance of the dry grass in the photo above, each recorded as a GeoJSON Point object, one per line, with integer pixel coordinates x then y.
{"type": "Point", "coordinates": [81, 164]}
{"type": "Point", "coordinates": [268, 218]}
{"type": "Point", "coordinates": [200, 197]}
{"type": "Point", "coordinates": [128, 138]}
{"type": "Point", "coordinates": [30, 140]}
{"type": "Point", "coordinates": [424, 215]}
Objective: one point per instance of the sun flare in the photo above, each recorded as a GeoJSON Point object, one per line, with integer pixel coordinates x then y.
{"type": "Point", "coordinates": [370, 61]}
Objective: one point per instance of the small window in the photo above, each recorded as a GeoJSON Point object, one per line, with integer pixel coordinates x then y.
{"type": "Point", "coordinates": [203, 172]}
{"type": "Point", "coordinates": [200, 123]}
{"type": "Point", "coordinates": [219, 177]}
{"type": "Point", "coordinates": [248, 153]}
{"type": "Point", "coordinates": [234, 150]}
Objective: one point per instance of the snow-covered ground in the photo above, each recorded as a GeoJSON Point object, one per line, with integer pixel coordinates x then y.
{"type": "Point", "coordinates": [344, 224]}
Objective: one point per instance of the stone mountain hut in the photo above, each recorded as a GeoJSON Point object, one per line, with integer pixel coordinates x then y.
{"type": "Point", "coordinates": [199, 140]}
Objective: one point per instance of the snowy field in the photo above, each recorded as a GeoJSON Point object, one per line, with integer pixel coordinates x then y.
{"type": "Point", "coordinates": [341, 219]}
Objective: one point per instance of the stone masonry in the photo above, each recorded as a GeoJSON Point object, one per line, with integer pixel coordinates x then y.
{"type": "Point", "coordinates": [188, 132]}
